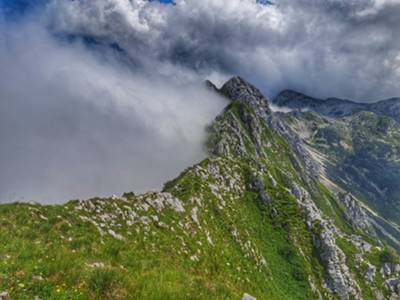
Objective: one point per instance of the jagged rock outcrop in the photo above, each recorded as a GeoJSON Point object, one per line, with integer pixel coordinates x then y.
{"type": "Point", "coordinates": [237, 89]}
{"type": "Point", "coordinates": [362, 245]}
{"type": "Point", "coordinates": [235, 139]}
{"type": "Point", "coordinates": [338, 277]}
{"type": "Point", "coordinates": [393, 286]}
{"type": "Point", "coordinates": [356, 214]}
{"type": "Point", "coordinates": [390, 269]}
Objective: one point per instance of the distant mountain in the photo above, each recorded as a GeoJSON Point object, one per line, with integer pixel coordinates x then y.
{"type": "Point", "coordinates": [357, 145]}
{"type": "Point", "coordinates": [359, 153]}
{"type": "Point", "coordinates": [280, 209]}
{"type": "Point", "coordinates": [335, 107]}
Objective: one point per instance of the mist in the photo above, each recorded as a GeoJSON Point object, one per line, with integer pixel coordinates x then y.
{"type": "Point", "coordinates": [74, 125]}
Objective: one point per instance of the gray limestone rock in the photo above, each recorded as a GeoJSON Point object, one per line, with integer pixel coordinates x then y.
{"type": "Point", "coordinates": [237, 89]}
{"type": "Point", "coordinates": [393, 285]}
{"type": "Point", "coordinates": [248, 297]}
{"type": "Point", "coordinates": [370, 272]}
{"type": "Point", "coordinates": [338, 276]}
{"type": "Point", "coordinates": [257, 186]}
{"type": "Point", "coordinates": [356, 214]}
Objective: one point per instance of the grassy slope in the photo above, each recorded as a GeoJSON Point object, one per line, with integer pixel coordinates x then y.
{"type": "Point", "coordinates": [48, 251]}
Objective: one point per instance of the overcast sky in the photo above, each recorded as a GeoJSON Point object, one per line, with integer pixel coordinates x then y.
{"type": "Point", "coordinates": [344, 48]}
{"type": "Point", "coordinates": [104, 96]}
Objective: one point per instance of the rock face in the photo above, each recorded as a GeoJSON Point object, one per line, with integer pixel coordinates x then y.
{"type": "Point", "coordinates": [370, 272]}
{"type": "Point", "coordinates": [236, 89]}
{"type": "Point", "coordinates": [393, 286]}
{"type": "Point", "coordinates": [356, 214]}
{"type": "Point", "coordinates": [312, 167]}
{"type": "Point", "coordinates": [338, 277]}
{"type": "Point", "coordinates": [390, 269]}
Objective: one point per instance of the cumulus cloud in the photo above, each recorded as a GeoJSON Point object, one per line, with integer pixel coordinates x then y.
{"type": "Point", "coordinates": [327, 48]}
{"type": "Point", "coordinates": [101, 96]}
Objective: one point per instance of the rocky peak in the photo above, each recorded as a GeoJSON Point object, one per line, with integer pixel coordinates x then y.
{"type": "Point", "coordinates": [211, 86]}
{"type": "Point", "coordinates": [238, 89]}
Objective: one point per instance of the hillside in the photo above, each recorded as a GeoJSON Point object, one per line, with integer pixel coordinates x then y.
{"type": "Point", "coordinates": [358, 153]}
{"type": "Point", "coordinates": [256, 217]}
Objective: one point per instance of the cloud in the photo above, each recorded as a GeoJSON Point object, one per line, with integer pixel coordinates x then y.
{"type": "Point", "coordinates": [75, 125]}
{"type": "Point", "coordinates": [104, 96]}
{"type": "Point", "coordinates": [327, 48]}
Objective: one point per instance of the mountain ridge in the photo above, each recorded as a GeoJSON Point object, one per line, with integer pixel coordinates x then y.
{"type": "Point", "coordinates": [254, 218]}
{"type": "Point", "coordinates": [336, 107]}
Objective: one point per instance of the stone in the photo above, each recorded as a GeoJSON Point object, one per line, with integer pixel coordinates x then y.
{"type": "Point", "coordinates": [160, 200]}
{"type": "Point", "coordinates": [264, 198]}
{"type": "Point", "coordinates": [360, 244]}
{"type": "Point", "coordinates": [193, 215]}
{"type": "Point", "coordinates": [248, 297]}
{"type": "Point", "coordinates": [379, 295]}
{"type": "Point", "coordinates": [273, 213]}
{"type": "Point", "coordinates": [386, 269]}
{"type": "Point", "coordinates": [356, 214]}
{"type": "Point", "coordinates": [393, 285]}
{"type": "Point", "coordinates": [115, 235]}
{"type": "Point", "coordinates": [257, 186]}
{"type": "Point", "coordinates": [370, 272]}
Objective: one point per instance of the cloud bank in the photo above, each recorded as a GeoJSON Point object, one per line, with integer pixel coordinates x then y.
{"type": "Point", "coordinates": [105, 96]}
{"type": "Point", "coordinates": [343, 48]}
{"type": "Point", "coordinates": [75, 125]}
